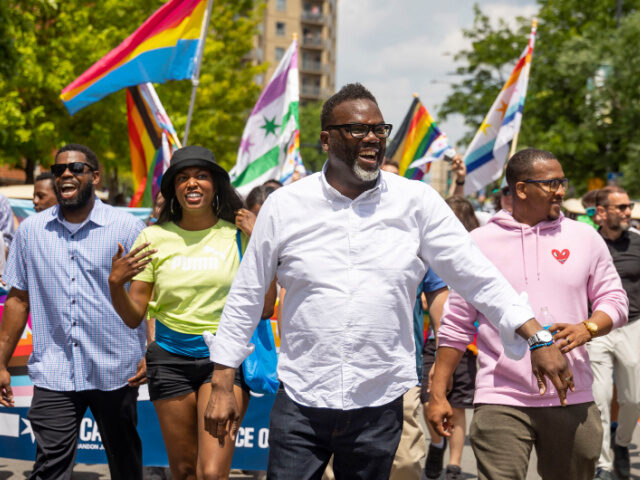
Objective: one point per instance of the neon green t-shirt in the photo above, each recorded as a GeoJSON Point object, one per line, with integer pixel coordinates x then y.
{"type": "Point", "coordinates": [191, 272]}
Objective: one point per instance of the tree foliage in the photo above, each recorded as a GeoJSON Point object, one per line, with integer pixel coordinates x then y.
{"type": "Point", "coordinates": [310, 150]}
{"type": "Point", "coordinates": [54, 41]}
{"type": "Point", "coordinates": [583, 98]}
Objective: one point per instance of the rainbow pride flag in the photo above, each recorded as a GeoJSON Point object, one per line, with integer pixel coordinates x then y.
{"type": "Point", "coordinates": [152, 140]}
{"type": "Point", "coordinates": [418, 142]}
{"type": "Point", "coordinates": [487, 153]}
{"type": "Point", "coordinates": [163, 48]}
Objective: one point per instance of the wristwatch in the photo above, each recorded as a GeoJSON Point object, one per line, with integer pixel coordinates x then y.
{"type": "Point", "coordinates": [458, 182]}
{"type": "Point", "coordinates": [543, 336]}
{"type": "Point", "coordinates": [592, 327]}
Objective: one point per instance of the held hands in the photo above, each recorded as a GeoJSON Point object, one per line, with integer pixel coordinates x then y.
{"type": "Point", "coordinates": [125, 267]}
{"type": "Point", "coordinates": [549, 362]}
{"type": "Point", "coordinates": [568, 336]}
{"type": "Point", "coordinates": [6, 394]}
{"type": "Point", "coordinates": [245, 220]}
{"type": "Point", "coordinates": [222, 416]}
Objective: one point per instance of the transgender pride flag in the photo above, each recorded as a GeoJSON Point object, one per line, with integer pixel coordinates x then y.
{"type": "Point", "coordinates": [488, 151]}
{"type": "Point", "coordinates": [268, 146]}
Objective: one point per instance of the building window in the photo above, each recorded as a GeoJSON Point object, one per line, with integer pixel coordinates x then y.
{"type": "Point", "coordinates": [281, 5]}
{"type": "Point", "coordinates": [280, 29]}
{"type": "Point", "coordinates": [279, 53]}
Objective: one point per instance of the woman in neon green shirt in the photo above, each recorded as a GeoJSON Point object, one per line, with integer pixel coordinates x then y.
{"type": "Point", "coordinates": [181, 270]}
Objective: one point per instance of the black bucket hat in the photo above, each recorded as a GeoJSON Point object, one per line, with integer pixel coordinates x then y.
{"type": "Point", "coordinates": [191, 156]}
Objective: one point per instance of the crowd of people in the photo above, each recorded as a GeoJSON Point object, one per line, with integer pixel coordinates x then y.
{"type": "Point", "coordinates": [532, 316]}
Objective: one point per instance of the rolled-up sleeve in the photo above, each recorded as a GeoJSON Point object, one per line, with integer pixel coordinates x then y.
{"type": "Point", "coordinates": [243, 308]}
{"type": "Point", "coordinates": [454, 256]}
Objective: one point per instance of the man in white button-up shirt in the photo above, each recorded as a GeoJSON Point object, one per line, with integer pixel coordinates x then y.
{"type": "Point", "coordinates": [350, 245]}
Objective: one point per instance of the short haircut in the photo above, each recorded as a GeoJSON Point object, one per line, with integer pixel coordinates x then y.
{"type": "Point", "coordinates": [589, 198]}
{"type": "Point", "coordinates": [91, 157]}
{"type": "Point", "coordinates": [602, 197]}
{"type": "Point", "coordinates": [520, 166]}
{"type": "Point", "coordinates": [351, 91]}
{"type": "Point", "coordinates": [44, 176]}
{"type": "Point", "coordinates": [464, 211]}
{"type": "Point", "coordinates": [258, 195]}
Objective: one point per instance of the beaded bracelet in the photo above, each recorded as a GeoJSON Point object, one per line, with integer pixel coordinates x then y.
{"type": "Point", "coordinates": [538, 345]}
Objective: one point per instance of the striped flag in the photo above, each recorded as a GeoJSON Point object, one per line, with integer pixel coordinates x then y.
{"type": "Point", "coordinates": [418, 142]}
{"type": "Point", "coordinates": [152, 140]}
{"type": "Point", "coordinates": [269, 137]}
{"type": "Point", "coordinates": [487, 153]}
{"type": "Point", "coordinates": [163, 48]}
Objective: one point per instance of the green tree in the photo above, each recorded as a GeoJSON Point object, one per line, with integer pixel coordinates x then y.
{"type": "Point", "coordinates": [55, 41]}
{"type": "Point", "coordinates": [310, 150]}
{"type": "Point", "coordinates": [582, 102]}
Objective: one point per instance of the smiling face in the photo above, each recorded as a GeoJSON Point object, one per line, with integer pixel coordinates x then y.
{"type": "Point", "coordinates": [363, 156]}
{"type": "Point", "coordinates": [616, 215]}
{"type": "Point", "coordinates": [540, 201]}
{"type": "Point", "coordinates": [195, 189]}
{"type": "Point", "coordinates": [75, 190]}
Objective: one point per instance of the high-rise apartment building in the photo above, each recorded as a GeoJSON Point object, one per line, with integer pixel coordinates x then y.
{"type": "Point", "coordinates": [314, 21]}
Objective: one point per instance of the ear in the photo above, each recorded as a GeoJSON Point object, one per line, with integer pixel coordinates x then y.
{"type": "Point", "coordinates": [520, 192]}
{"type": "Point", "coordinates": [601, 212]}
{"type": "Point", "coordinates": [324, 140]}
{"type": "Point", "coordinates": [96, 177]}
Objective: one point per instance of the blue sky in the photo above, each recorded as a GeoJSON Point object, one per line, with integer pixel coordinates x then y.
{"type": "Point", "coordinates": [399, 47]}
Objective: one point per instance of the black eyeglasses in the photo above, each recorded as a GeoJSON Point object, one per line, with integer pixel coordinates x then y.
{"type": "Point", "coordinates": [361, 130]}
{"type": "Point", "coordinates": [553, 184]}
{"type": "Point", "coordinates": [622, 207]}
{"type": "Point", "coordinates": [75, 168]}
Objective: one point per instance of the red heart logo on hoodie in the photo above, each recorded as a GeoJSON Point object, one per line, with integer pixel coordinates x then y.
{"type": "Point", "coordinates": [561, 256]}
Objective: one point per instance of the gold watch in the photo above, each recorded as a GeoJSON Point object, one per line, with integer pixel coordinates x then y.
{"type": "Point", "coordinates": [592, 328]}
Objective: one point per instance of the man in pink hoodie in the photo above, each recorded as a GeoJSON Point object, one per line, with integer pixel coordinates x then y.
{"type": "Point", "coordinates": [563, 266]}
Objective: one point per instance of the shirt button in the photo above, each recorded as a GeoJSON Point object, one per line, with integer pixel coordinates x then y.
{"type": "Point", "coordinates": [72, 257]}
{"type": "Point", "coordinates": [73, 279]}
{"type": "Point", "coordinates": [73, 302]}
{"type": "Point", "coordinates": [74, 323]}
{"type": "Point", "coordinates": [75, 344]}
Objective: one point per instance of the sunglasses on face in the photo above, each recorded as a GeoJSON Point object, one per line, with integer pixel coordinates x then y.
{"type": "Point", "coordinates": [76, 168]}
{"type": "Point", "coordinates": [361, 130]}
{"type": "Point", "coordinates": [552, 185]}
{"type": "Point", "coordinates": [622, 207]}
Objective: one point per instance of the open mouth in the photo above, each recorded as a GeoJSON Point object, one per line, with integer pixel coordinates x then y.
{"type": "Point", "coordinates": [193, 198]}
{"type": "Point", "coordinates": [368, 157]}
{"type": "Point", "coordinates": [68, 189]}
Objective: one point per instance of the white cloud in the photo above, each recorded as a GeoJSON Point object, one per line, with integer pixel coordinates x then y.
{"type": "Point", "coordinates": [406, 46]}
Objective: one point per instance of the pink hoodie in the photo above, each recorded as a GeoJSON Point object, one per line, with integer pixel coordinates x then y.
{"type": "Point", "coordinates": [562, 265]}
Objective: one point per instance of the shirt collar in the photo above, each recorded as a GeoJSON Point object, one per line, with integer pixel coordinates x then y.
{"type": "Point", "coordinates": [336, 195]}
{"type": "Point", "coordinates": [98, 213]}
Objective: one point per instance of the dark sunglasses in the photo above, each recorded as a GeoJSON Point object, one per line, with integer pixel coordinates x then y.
{"type": "Point", "coordinates": [622, 207]}
{"type": "Point", "coordinates": [76, 168]}
{"type": "Point", "coordinates": [361, 130]}
{"type": "Point", "coordinates": [553, 184]}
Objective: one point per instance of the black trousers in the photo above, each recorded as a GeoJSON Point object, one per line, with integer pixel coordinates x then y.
{"type": "Point", "coordinates": [362, 441]}
{"type": "Point", "coordinates": [55, 420]}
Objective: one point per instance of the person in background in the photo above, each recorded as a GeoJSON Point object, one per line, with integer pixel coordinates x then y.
{"type": "Point", "coordinates": [390, 166]}
{"type": "Point", "coordinates": [617, 356]}
{"type": "Point", "coordinates": [83, 355]}
{"type": "Point", "coordinates": [460, 395]}
{"type": "Point", "coordinates": [181, 270]}
{"type": "Point", "coordinates": [246, 217]}
{"type": "Point", "coordinates": [591, 217]}
{"type": "Point", "coordinates": [158, 203]}
{"type": "Point", "coordinates": [44, 195]}
{"type": "Point", "coordinates": [459, 173]}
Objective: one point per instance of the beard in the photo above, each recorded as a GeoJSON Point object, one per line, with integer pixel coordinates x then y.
{"type": "Point", "coordinates": [365, 175]}
{"type": "Point", "coordinates": [79, 201]}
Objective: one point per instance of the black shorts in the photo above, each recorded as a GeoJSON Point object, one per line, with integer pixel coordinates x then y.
{"type": "Point", "coordinates": [171, 375]}
{"type": "Point", "coordinates": [464, 377]}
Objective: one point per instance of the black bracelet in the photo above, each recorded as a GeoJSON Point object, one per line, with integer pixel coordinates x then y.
{"type": "Point", "coordinates": [459, 182]}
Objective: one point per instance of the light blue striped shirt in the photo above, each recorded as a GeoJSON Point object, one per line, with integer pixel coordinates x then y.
{"type": "Point", "coordinates": [79, 341]}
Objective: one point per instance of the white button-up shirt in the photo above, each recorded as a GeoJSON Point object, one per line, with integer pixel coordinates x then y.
{"type": "Point", "coordinates": [351, 269]}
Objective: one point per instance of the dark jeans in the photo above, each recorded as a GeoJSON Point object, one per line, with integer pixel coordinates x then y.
{"type": "Point", "coordinates": [302, 439]}
{"type": "Point", "coordinates": [55, 420]}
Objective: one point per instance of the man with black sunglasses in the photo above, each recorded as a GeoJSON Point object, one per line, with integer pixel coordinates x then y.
{"type": "Point", "coordinates": [617, 356]}
{"type": "Point", "coordinates": [351, 244]}
{"type": "Point", "coordinates": [83, 354]}
{"type": "Point", "coordinates": [563, 266]}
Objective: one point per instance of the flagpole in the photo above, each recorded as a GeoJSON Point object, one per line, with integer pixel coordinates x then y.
{"type": "Point", "coordinates": [195, 80]}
